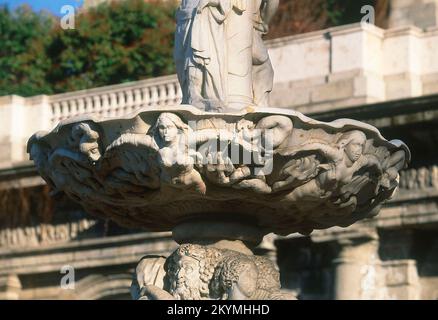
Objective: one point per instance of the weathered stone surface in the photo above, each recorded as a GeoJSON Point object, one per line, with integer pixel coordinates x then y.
{"type": "Point", "coordinates": [155, 171]}
{"type": "Point", "coordinates": [94, 254]}
{"type": "Point", "coordinates": [43, 234]}
{"type": "Point", "coordinates": [402, 86]}
{"type": "Point", "coordinates": [195, 272]}
{"type": "Point", "coordinates": [221, 60]}
{"type": "Point", "coordinates": [333, 91]}
{"type": "Point", "coordinates": [421, 13]}
{"type": "Point", "coordinates": [10, 287]}
{"type": "Point", "coordinates": [357, 273]}
{"type": "Point", "coordinates": [430, 84]}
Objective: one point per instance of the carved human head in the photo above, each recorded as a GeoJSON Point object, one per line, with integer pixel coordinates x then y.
{"type": "Point", "coordinates": [168, 127]}
{"type": "Point", "coordinates": [190, 270]}
{"type": "Point", "coordinates": [237, 278]}
{"type": "Point", "coordinates": [88, 140]}
{"type": "Point", "coordinates": [353, 144]}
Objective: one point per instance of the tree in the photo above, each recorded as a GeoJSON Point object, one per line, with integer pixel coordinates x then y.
{"type": "Point", "coordinates": [23, 63]}
{"type": "Point", "coordinates": [113, 43]}
{"type": "Point", "coordinates": [299, 16]}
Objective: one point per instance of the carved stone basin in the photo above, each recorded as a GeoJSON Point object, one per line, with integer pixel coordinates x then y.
{"type": "Point", "coordinates": [276, 170]}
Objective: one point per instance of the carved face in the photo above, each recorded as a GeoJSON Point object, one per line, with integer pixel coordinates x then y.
{"type": "Point", "coordinates": [93, 152]}
{"type": "Point", "coordinates": [187, 278]}
{"type": "Point", "coordinates": [167, 130]}
{"type": "Point", "coordinates": [354, 149]}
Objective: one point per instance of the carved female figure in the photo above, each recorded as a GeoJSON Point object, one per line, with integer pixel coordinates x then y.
{"type": "Point", "coordinates": [163, 157]}
{"type": "Point", "coordinates": [250, 73]}
{"type": "Point", "coordinates": [170, 134]}
{"type": "Point", "coordinates": [346, 158]}
{"type": "Point", "coordinates": [342, 161]}
{"type": "Point", "coordinates": [219, 53]}
{"type": "Point", "coordinates": [200, 53]}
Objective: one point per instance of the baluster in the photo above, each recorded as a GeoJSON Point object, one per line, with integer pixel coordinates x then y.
{"type": "Point", "coordinates": [73, 108]}
{"type": "Point", "coordinates": [171, 94]}
{"type": "Point", "coordinates": [65, 112]}
{"type": "Point", "coordinates": [137, 99]}
{"type": "Point", "coordinates": [129, 101]}
{"type": "Point", "coordinates": [56, 112]}
{"type": "Point", "coordinates": [122, 103]}
{"type": "Point", "coordinates": [154, 96]}
{"type": "Point", "coordinates": [105, 105]}
{"type": "Point", "coordinates": [81, 106]}
{"type": "Point", "coordinates": [179, 94]}
{"type": "Point", "coordinates": [113, 104]}
{"type": "Point", "coordinates": [162, 95]}
{"type": "Point", "coordinates": [97, 105]}
{"type": "Point", "coordinates": [146, 97]}
{"type": "Point", "coordinates": [88, 105]}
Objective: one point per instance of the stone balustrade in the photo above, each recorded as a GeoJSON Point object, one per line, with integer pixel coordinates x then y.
{"type": "Point", "coordinates": [419, 179]}
{"type": "Point", "coordinates": [117, 100]}
{"type": "Point", "coordinates": [326, 70]}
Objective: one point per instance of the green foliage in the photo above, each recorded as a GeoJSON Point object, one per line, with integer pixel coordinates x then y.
{"type": "Point", "coordinates": [23, 63]}
{"type": "Point", "coordinates": [112, 43]}
{"type": "Point", "coordinates": [335, 12]}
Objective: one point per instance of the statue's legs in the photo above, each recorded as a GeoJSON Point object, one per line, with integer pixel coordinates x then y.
{"type": "Point", "coordinates": [240, 31]}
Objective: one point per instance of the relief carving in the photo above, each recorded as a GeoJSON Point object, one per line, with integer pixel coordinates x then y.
{"type": "Point", "coordinates": [195, 272]}
{"type": "Point", "coordinates": [305, 172]}
{"type": "Point", "coordinates": [43, 234]}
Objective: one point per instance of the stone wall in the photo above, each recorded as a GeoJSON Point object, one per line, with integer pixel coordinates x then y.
{"type": "Point", "coordinates": [353, 65]}
{"type": "Point", "coordinates": [420, 13]}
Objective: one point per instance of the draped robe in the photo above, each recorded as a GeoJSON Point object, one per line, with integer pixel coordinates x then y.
{"type": "Point", "coordinates": [201, 54]}
{"type": "Point", "coordinates": [220, 56]}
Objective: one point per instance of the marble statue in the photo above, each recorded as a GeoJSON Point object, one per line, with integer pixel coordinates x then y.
{"type": "Point", "coordinates": [342, 159]}
{"type": "Point", "coordinates": [222, 63]}
{"type": "Point", "coordinates": [221, 180]}
{"type": "Point", "coordinates": [195, 272]}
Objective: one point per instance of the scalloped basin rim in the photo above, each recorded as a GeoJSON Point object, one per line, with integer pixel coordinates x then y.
{"type": "Point", "coordinates": [341, 124]}
{"type": "Point", "coordinates": [319, 179]}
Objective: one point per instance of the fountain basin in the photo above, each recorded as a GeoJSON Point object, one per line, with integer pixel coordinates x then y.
{"type": "Point", "coordinates": [274, 169]}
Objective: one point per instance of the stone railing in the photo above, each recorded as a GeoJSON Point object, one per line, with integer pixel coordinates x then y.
{"type": "Point", "coordinates": [419, 179]}
{"type": "Point", "coordinates": [117, 100]}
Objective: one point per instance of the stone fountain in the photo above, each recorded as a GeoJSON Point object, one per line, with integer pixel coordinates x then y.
{"type": "Point", "coordinates": [223, 169]}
